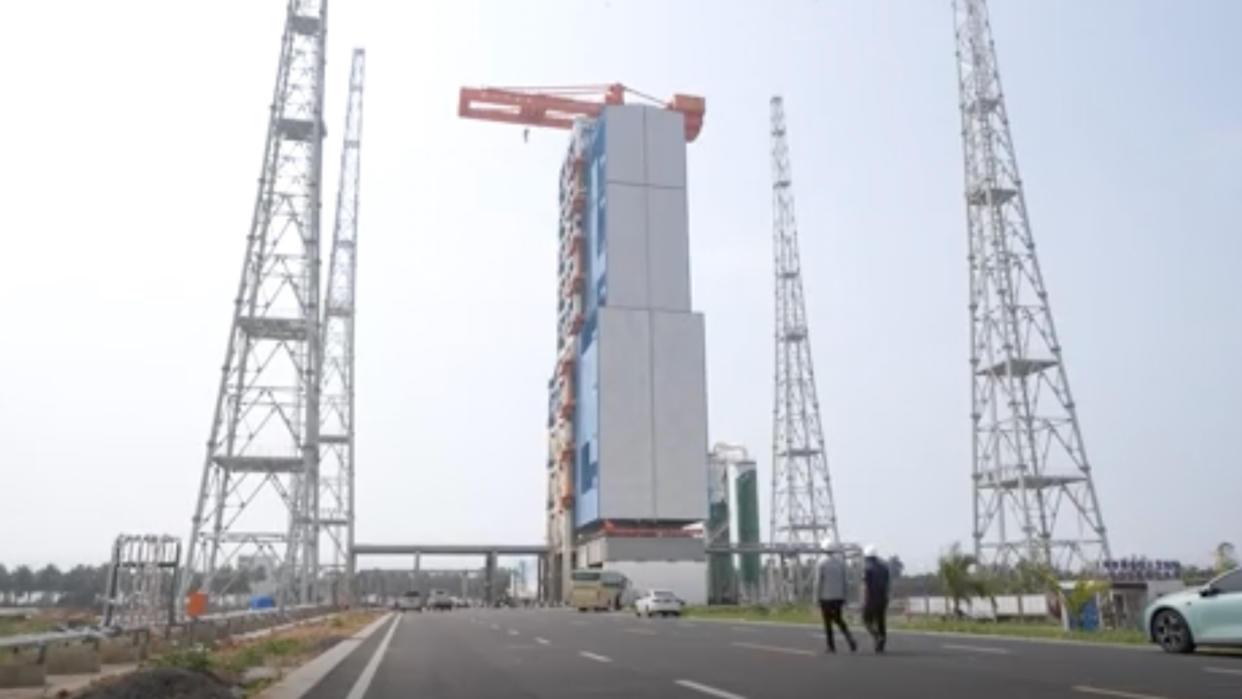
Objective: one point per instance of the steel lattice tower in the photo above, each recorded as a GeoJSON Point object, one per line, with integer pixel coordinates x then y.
{"type": "Point", "coordinates": [256, 500]}
{"type": "Point", "coordinates": [336, 427]}
{"type": "Point", "coordinates": [802, 507]}
{"type": "Point", "coordinates": [1029, 461]}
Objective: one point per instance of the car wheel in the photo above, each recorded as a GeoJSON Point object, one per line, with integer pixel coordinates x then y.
{"type": "Point", "coordinates": [1172, 632]}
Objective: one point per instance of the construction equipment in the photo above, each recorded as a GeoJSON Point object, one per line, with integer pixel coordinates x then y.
{"type": "Point", "coordinates": [557, 107]}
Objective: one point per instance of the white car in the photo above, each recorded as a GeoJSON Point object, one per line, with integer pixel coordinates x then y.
{"type": "Point", "coordinates": [658, 603]}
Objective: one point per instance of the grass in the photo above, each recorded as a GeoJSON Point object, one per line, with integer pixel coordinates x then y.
{"type": "Point", "coordinates": [230, 659]}
{"type": "Point", "coordinates": [794, 614]}
{"type": "Point", "coordinates": [43, 620]}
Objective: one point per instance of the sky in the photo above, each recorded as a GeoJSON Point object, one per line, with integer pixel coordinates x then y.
{"type": "Point", "coordinates": [132, 137]}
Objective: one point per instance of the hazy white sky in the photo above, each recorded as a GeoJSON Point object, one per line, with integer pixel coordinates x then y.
{"type": "Point", "coordinates": [132, 141]}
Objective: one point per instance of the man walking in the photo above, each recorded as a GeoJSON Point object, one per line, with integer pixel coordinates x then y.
{"type": "Point", "coordinates": [833, 586]}
{"type": "Point", "coordinates": [875, 603]}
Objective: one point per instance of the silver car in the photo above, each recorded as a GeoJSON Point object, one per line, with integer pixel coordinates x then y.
{"type": "Point", "coordinates": [1210, 615]}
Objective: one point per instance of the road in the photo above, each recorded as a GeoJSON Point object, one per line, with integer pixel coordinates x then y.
{"type": "Point", "coordinates": [475, 654]}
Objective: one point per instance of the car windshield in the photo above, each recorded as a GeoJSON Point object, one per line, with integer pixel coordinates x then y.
{"type": "Point", "coordinates": [1229, 582]}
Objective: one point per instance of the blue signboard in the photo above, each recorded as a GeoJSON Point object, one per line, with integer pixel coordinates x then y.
{"type": "Point", "coordinates": [595, 293]}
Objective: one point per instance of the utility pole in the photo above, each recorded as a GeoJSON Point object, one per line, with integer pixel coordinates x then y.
{"type": "Point", "coordinates": [1034, 498]}
{"type": "Point", "coordinates": [259, 478]}
{"type": "Point", "coordinates": [336, 431]}
{"type": "Point", "coordinates": [802, 506]}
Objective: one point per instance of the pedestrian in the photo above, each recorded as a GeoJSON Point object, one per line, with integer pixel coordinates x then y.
{"type": "Point", "coordinates": [875, 603]}
{"type": "Point", "coordinates": [833, 586]}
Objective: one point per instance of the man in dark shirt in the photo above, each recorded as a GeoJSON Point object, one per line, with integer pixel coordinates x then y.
{"type": "Point", "coordinates": [875, 604]}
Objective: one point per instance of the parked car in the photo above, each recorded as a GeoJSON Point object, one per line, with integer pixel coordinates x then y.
{"type": "Point", "coordinates": [439, 600]}
{"type": "Point", "coordinates": [410, 601]}
{"type": "Point", "coordinates": [658, 602]}
{"type": "Point", "coordinates": [1210, 615]}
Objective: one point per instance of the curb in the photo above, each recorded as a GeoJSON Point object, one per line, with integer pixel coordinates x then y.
{"type": "Point", "coordinates": [945, 634]}
{"type": "Point", "coordinates": [302, 680]}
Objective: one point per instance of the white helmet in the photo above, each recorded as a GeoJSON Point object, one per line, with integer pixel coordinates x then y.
{"type": "Point", "coordinates": [869, 550]}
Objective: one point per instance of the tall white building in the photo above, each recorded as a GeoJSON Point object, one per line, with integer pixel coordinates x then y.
{"type": "Point", "coordinates": [628, 409]}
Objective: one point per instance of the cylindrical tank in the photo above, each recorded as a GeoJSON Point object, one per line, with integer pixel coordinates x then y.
{"type": "Point", "coordinates": [746, 486]}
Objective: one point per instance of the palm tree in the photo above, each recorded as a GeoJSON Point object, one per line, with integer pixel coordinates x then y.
{"type": "Point", "coordinates": [1224, 555]}
{"type": "Point", "coordinates": [958, 578]}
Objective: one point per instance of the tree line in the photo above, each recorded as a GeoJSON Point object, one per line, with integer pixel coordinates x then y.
{"type": "Point", "coordinates": [85, 585]}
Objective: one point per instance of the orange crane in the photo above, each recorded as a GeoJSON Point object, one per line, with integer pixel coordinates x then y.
{"type": "Point", "coordinates": [556, 107]}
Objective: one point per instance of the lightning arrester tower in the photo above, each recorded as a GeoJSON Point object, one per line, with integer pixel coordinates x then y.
{"type": "Point", "coordinates": [256, 499]}
{"type": "Point", "coordinates": [1034, 498]}
{"type": "Point", "coordinates": [803, 512]}
{"type": "Point", "coordinates": [336, 427]}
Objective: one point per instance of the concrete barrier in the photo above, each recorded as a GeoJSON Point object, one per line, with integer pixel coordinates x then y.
{"type": "Point", "coordinates": [22, 674]}
{"type": "Point", "coordinates": [76, 659]}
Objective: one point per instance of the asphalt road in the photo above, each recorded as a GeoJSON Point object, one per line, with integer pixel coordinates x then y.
{"type": "Point", "coordinates": [476, 654]}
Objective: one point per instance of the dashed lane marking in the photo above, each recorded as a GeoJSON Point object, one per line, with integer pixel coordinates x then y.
{"type": "Point", "coordinates": [975, 649]}
{"type": "Point", "coordinates": [708, 689]}
{"type": "Point", "coordinates": [541, 641]}
{"type": "Point", "coordinates": [1223, 670]}
{"type": "Point", "coordinates": [596, 657]}
{"type": "Point", "coordinates": [773, 649]}
{"type": "Point", "coordinates": [513, 632]}
{"type": "Point", "coordinates": [1100, 691]}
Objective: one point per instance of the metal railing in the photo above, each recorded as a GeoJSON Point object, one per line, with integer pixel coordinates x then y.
{"type": "Point", "coordinates": [206, 628]}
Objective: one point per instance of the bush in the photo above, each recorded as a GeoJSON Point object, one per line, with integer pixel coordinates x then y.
{"type": "Point", "coordinates": [192, 659]}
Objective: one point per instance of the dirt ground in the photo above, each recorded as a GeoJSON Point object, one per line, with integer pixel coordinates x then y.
{"type": "Point", "coordinates": [169, 682]}
{"type": "Point", "coordinates": [220, 671]}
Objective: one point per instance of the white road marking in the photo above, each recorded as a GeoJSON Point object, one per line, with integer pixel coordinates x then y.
{"type": "Point", "coordinates": [513, 632]}
{"type": "Point", "coordinates": [495, 627]}
{"type": "Point", "coordinates": [1223, 670]}
{"type": "Point", "coordinates": [1114, 693]}
{"type": "Point", "coordinates": [595, 657]}
{"type": "Point", "coordinates": [774, 649]}
{"type": "Point", "coordinates": [541, 641]}
{"type": "Point", "coordinates": [363, 683]}
{"type": "Point", "coordinates": [645, 632]}
{"type": "Point", "coordinates": [708, 690]}
{"type": "Point", "coordinates": [975, 649]}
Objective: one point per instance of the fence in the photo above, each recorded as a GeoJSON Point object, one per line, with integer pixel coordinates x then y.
{"type": "Point", "coordinates": [1005, 607]}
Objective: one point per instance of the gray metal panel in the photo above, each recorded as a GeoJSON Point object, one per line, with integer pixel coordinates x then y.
{"type": "Point", "coordinates": [625, 230]}
{"type": "Point", "coordinates": [448, 549]}
{"type": "Point", "coordinates": [626, 471]}
{"type": "Point", "coordinates": [654, 549]}
{"type": "Point", "coordinates": [623, 143]}
{"type": "Point", "coordinates": [680, 412]}
{"type": "Point", "coordinates": [665, 148]}
{"type": "Point", "coordinates": [668, 249]}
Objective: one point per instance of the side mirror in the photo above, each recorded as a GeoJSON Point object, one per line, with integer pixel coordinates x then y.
{"type": "Point", "coordinates": [1208, 591]}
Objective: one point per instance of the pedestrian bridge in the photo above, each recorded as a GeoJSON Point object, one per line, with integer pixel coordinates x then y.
{"type": "Point", "coordinates": [490, 552]}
